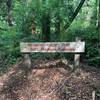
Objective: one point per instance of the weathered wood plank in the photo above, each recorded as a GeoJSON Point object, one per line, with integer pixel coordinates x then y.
{"type": "Point", "coordinates": [68, 47]}
{"type": "Point", "coordinates": [77, 56]}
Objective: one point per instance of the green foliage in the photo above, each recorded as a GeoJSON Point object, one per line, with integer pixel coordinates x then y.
{"type": "Point", "coordinates": [98, 94]}
{"type": "Point", "coordinates": [92, 39]}
{"type": "Point", "coordinates": [9, 48]}
{"type": "Point", "coordinates": [26, 12]}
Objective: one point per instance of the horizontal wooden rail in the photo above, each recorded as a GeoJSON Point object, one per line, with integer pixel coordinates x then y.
{"type": "Point", "coordinates": [68, 47]}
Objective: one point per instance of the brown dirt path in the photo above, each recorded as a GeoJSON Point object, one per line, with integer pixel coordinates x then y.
{"type": "Point", "coordinates": [58, 83]}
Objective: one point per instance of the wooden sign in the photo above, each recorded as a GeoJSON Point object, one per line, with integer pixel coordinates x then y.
{"type": "Point", "coordinates": [70, 47]}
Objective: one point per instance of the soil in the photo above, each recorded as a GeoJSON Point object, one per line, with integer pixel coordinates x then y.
{"type": "Point", "coordinates": [55, 82]}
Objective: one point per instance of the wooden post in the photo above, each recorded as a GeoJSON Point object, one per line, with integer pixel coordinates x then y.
{"type": "Point", "coordinates": [27, 60]}
{"type": "Point", "coordinates": [93, 95]}
{"type": "Point", "coordinates": [77, 56]}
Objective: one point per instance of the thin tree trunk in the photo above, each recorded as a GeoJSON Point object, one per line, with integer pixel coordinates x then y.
{"type": "Point", "coordinates": [74, 14]}
{"type": "Point", "coordinates": [9, 7]}
{"type": "Point", "coordinates": [98, 14]}
{"type": "Point", "coordinates": [57, 26]}
{"type": "Point", "coordinates": [46, 27]}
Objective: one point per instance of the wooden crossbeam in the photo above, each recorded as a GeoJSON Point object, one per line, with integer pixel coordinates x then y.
{"type": "Point", "coordinates": [68, 47]}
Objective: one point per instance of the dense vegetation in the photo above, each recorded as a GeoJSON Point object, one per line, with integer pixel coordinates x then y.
{"type": "Point", "coordinates": [54, 20]}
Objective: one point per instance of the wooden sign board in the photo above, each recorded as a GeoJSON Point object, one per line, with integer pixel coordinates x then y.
{"type": "Point", "coordinates": [70, 47]}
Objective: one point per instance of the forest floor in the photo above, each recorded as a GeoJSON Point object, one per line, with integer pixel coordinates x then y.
{"type": "Point", "coordinates": [56, 82]}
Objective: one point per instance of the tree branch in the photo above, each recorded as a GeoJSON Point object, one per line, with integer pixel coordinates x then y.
{"type": "Point", "coordinates": [74, 14]}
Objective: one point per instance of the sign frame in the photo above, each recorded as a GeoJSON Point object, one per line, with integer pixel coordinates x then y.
{"type": "Point", "coordinates": [52, 47]}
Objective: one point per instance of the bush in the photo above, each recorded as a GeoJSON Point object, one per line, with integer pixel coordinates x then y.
{"type": "Point", "coordinates": [92, 39]}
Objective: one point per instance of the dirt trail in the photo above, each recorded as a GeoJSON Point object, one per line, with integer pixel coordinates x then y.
{"type": "Point", "coordinates": [53, 83]}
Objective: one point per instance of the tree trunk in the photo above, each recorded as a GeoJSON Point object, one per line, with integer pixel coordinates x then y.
{"type": "Point", "coordinates": [74, 14]}
{"type": "Point", "coordinates": [98, 14]}
{"type": "Point", "coordinates": [57, 26]}
{"type": "Point", "coordinates": [46, 27]}
{"type": "Point", "coordinates": [9, 7]}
